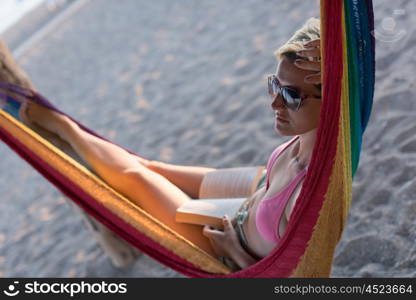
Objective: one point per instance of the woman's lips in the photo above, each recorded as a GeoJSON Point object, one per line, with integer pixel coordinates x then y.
{"type": "Point", "coordinates": [279, 118]}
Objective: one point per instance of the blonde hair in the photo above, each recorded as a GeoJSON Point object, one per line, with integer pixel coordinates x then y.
{"type": "Point", "coordinates": [311, 30]}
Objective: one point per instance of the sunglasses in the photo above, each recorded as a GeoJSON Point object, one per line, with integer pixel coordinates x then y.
{"type": "Point", "coordinates": [291, 96]}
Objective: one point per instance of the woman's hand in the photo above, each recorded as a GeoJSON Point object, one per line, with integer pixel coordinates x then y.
{"type": "Point", "coordinates": [224, 243]}
{"type": "Point", "coordinates": [312, 50]}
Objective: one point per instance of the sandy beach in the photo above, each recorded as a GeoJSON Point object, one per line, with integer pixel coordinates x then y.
{"type": "Point", "coordinates": [185, 82]}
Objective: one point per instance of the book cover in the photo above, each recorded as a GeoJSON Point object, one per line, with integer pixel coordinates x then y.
{"type": "Point", "coordinates": [208, 211]}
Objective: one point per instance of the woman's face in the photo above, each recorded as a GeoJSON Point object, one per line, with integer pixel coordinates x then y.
{"type": "Point", "coordinates": [307, 117]}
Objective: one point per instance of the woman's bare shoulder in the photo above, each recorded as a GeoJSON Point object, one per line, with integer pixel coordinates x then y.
{"type": "Point", "coordinates": [281, 162]}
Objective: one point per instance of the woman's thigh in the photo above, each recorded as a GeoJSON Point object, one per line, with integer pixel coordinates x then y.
{"type": "Point", "coordinates": [160, 197]}
{"type": "Point", "coordinates": [186, 178]}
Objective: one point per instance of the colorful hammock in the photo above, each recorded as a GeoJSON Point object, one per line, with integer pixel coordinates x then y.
{"type": "Point", "coordinates": [317, 222]}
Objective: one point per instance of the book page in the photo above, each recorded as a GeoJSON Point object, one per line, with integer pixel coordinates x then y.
{"type": "Point", "coordinates": [230, 182]}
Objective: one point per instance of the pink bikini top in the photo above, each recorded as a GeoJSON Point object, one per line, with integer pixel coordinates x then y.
{"type": "Point", "coordinates": [270, 210]}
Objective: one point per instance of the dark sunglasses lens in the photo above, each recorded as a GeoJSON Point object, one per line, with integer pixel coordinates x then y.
{"type": "Point", "coordinates": [291, 98]}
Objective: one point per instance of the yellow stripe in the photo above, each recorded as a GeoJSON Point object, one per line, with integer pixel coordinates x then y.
{"type": "Point", "coordinates": [108, 197]}
{"type": "Point", "coordinates": [345, 124]}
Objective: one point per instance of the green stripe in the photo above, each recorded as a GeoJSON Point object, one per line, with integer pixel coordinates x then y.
{"type": "Point", "coordinates": [354, 97]}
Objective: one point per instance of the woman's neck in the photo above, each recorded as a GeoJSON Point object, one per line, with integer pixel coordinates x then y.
{"type": "Point", "coordinates": [302, 153]}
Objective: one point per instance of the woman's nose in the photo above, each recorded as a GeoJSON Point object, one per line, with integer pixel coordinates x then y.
{"type": "Point", "coordinates": [277, 102]}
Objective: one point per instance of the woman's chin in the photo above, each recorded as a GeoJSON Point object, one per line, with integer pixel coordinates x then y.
{"type": "Point", "coordinates": [281, 131]}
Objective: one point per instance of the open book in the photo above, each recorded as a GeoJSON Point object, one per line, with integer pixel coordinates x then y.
{"type": "Point", "coordinates": [231, 182]}
{"type": "Point", "coordinates": [208, 211]}
{"type": "Point", "coordinates": [222, 192]}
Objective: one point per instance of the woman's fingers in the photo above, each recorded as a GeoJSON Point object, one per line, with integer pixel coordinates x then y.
{"type": "Point", "coordinates": [210, 231]}
{"type": "Point", "coordinates": [215, 240]}
{"type": "Point", "coordinates": [207, 230]}
{"type": "Point", "coordinates": [308, 65]}
{"type": "Point", "coordinates": [228, 226]}
{"type": "Point", "coordinates": [312, 52]}
{"type": "Point", "coordinates": [314, 43]}
{"type": "Point", "coordinates": [313, 79]}
{"type": "Point", "coordinates": [226, 222]}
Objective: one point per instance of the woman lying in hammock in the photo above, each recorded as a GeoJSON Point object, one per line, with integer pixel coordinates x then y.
{"type": "Point", "coordinates": [160, 188]}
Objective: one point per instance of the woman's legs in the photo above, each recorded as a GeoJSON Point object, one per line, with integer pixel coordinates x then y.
{"type": "Point", "coordinates": [160, 197]}
{"type": "Point", "coordinates": [150, 190]}
{"type": "Point", "coordinates": [187, 178]}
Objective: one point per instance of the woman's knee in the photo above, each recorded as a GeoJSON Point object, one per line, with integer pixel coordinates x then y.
{"type": "Point", "coordinates": [140, 176]}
